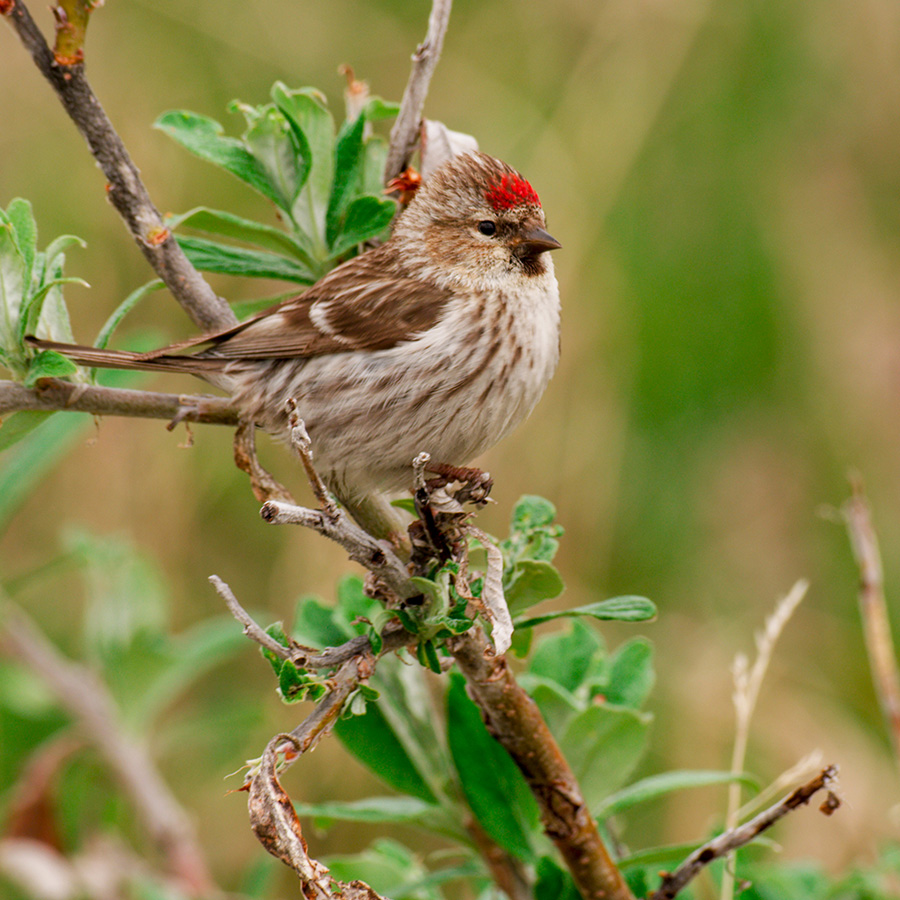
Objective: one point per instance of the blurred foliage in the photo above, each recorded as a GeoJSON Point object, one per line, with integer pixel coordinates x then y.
{"type": "Point", "coordinates": [723, 177]}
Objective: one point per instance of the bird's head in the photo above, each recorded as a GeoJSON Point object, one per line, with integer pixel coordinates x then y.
{"type": "Point", "coordinates": [476, 222]}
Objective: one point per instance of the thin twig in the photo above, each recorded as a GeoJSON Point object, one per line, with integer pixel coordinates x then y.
{"type": "Point", "coordinates": [393, 637]}
{"type": "Point", "coordinates": [251, 629]}
{"type": "Point", "coordinates": [873, 609]}
{"type": "Point", "coordinates": [405, 133]}
{"type": "Point", "coordinates": [730, 840]}
{"type": "Point", "coordinates": [52, 394]}
{"type": "Point", "coordinates": [89, 702]}
{"type": "Point", "coordinates": [125, 189]}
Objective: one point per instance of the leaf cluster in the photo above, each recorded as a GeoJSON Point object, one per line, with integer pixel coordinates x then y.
{"type": "Point", "coordinates": [31, 300]}
{"type": "Point", "coordinates": [326, 186]}
{"type": "Point", "coordinates": [430, 746]}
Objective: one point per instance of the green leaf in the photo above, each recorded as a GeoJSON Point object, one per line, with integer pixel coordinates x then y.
{"type": "Point", "coordinates": [631, 675]}
{"type": "Point", "coordinates": [554, 882]}
{"type": "Point", "coordinates": [18, 425]}
{"type": "Point", "coordinates": [603, 744]}
{"type": "Point", "coordinates": [21, 217]}
{"type": "Point", "coordinates": [27, 463]}
{"type": "Point", "coordinates": [366, 218]}
{"type": "Point", "coordinates": [377, 109]}
{"type": "Point", "coordinates": [568, 659]}
{"type": "Point", "coordinates": [315, 625]}
{"type": "Point", "coordinates": [388, 868]}
{"type": "Point", "coordinates": [33, 308]}
{"type": "Point", "coordinates": [125, 594]}
{"type": "Point", "coordinates": [557, 705]}
{"type": "Point", "coordinates": [372, 741]}
{"type": "Point", "coordinates": [215, 221]}
{"type": "Point", "coordinates": [658, 858]}
{"type": "Point", "coordinates": [122, 310]}
{"type": "Point", "coordinates": [373, 810]}
{"type": "Point", "coordinates": [306, 108]}
{"type": "Point", "coordinates": [427, 655]}
{"type": "Point", "coordinates": [494, 787]}
{"type": "Point", "coordinates": [49, 364]}
{"type": "Point", "coordinates": [532, 512]}
{"type": "Point", "coordinates": [269, 139]}
{"type": "Point", "coordinates": [295, 685]}
{"type": "Point", "coordinates": [348, 159]}
{"type": "Point", "coordinates": [211, 256]}
{"type": "Point", "coordinates": [352, 602]}
{"type": "Point", "coordinates": [622, 609]}
{"type": "Point", "coordinates": [58, 246]}
{"type": "Point", "coordinates": [204, 137]}
{"type": "Point", "coordinates": [659, 785]}
{"type": "Point", "coordinates": [374, 160]}
{"type": "Point", "coordinates": [13, 289]}
{"type": "Point", "coordinates": [532, 581]}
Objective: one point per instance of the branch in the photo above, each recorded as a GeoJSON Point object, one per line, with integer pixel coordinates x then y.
{"type": "Point", "coordinates": [510, 714]}
{"type": "Point", "coordinates": [88, 701]}
{"type": "Point", "coordinates": [376, 556]}
{"type": "Point", "coordinates": [737, 837]}
{"type": "Point", "coordinates": [405, 133]}
{"type": "Point", "coordinates": [125, 189]}
{"type": "Point", "coordinates": [394, 637]}
{"type": "Point", "coordinates": [51, 394]}
{"type": "Point", "coordinates": [873, 609]}
{"type": "Point", "coordinates": [514, 720]}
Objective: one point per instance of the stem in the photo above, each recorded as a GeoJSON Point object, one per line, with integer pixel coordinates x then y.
{"type": "Point", "coordinates": [125, 189]}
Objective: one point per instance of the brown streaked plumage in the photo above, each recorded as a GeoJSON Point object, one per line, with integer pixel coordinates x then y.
{"type": "Point", "coordinates": [441, 340]}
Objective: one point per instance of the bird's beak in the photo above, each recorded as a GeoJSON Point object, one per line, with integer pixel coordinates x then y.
{"type": "Point", "coordinates": [535, 240]}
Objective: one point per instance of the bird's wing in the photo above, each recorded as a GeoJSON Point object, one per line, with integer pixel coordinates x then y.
{"type": "Point", "coordinates": [363, 304]}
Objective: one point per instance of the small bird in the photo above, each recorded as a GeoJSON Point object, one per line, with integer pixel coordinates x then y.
{"type": "Point", "coordinates": [440, 341]}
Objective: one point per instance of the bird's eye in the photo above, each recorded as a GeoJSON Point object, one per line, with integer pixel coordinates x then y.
{"type": "Point", "coordinates": [487, 227]}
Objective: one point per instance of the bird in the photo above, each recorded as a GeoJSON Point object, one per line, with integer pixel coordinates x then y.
{"type": "Point", "coordinates": [440, 340]}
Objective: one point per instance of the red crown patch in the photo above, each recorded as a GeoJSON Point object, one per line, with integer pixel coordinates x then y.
{"type": "Point", "coordinates": [512, 191]}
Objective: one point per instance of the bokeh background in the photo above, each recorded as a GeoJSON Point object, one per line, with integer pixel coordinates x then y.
{"type": "Point", "coordinates": [724, 176]}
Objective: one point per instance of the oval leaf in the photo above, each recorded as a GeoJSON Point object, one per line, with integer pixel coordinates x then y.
{"type": "Point", "coordinates": [622, 609]}
{"type": "Point", "coordinates": [211, 256]}
{"type": "Point", "coordinates": [205, 137]}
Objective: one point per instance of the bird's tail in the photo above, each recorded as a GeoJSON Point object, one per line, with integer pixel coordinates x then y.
{"type": "Point", "coordinates": [155, 361]}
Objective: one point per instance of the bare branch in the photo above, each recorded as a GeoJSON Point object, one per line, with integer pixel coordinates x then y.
{"type": "Point", "coordinates": [251, 629]}
{"type": "Point", "coordinates": [405, 133]}
{"type": "Point", "coordinates": [89, 702]}
{"type": "Point", "coordinates": [125, 189]}
{"type": "Point", "coordinates": [275, 824]}
{"type": "Point", "coordinates": [737, 837]}
{"type": "Point", "coordinates": [52, 394]}
{"type": "Point", "coordinates": [377, 556]}
{"type": "Point", "coordinates": [393, 638]}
